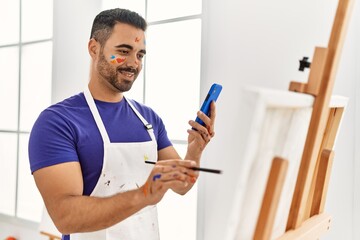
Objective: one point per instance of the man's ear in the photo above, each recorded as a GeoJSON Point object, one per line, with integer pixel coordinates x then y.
{"type": "Point", "coordinates": [93, 48]}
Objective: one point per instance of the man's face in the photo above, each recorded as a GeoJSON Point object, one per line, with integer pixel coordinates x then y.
{"type": "Point", "coordinates": [120, 61]}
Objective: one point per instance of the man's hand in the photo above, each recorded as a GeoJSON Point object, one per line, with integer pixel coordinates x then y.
{"type": "Point", "coordinates": [199, 138]}
{"type": "Point", "coordinates": [169, 174]}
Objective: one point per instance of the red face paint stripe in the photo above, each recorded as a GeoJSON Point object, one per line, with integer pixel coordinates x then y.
{"type": "Point", "coordinates": [120, 60]}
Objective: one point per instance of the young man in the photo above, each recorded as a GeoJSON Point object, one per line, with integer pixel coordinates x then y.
{"type": "Point", "coordinates": [88, 152]}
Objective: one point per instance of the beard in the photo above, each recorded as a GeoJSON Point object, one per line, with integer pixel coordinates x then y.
{"type": "Point", "coordinates": [111, 74]}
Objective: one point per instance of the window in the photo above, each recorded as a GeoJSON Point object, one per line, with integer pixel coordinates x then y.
{"type": "Point", "coordinates": [25, 87]}
{"type": "Point", "coordinates": [170, 84]}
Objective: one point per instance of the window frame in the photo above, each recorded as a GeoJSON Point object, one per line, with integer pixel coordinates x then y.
{"type": "Point", "coordinates": [20, 44]}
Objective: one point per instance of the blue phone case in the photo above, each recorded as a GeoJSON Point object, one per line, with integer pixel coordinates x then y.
{"type": "Point", "coordinates": [212, 95]}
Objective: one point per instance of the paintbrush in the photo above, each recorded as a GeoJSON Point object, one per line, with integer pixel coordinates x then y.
{"type": "Point", "coordinates": [196, 168]}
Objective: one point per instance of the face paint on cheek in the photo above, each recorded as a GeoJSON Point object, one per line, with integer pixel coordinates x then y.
{"type": "Point", "coordinates": [115, 59]}
{"type": "Point", "coordinates": [120, 60]}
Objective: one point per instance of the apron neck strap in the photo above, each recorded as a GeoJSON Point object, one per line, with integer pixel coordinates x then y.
{"type": "Point", "coordinates": [91, 102]}
{"type": "Point", "coordinates": [147, 125]}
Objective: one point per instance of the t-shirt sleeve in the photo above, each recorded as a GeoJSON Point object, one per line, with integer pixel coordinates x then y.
{"type": "Point", "coordinates": [163, 140]}
{"type": "Point", "coordinates": [52, 141]}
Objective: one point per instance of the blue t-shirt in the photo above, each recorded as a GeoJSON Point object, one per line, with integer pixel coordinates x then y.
{"type": "Point", "coordinates": [67, 132]}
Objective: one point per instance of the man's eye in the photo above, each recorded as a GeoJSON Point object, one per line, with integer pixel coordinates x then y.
{"type": "Point", "coordinates": [140, 56]}
{"type": "Point", "coordinates": [123, 52]}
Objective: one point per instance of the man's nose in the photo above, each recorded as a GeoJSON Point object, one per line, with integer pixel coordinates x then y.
{"type": "Point", "coordinates": [132, 61]}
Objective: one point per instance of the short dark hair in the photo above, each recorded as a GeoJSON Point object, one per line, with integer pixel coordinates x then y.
{"type": "Point", "coordinates": [105, 21]}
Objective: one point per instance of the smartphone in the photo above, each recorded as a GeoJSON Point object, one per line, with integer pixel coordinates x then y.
{"type": "Point", "coordinates": [212, 95]}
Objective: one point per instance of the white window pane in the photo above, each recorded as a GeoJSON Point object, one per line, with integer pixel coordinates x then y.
{"type": "Point", "coordinates": [30, 203]}
{"type": "Point", "coordinates": [133, 5]}
{"type": "Point", "coordinates": [37, 19]}
{"type": "Point", "coordinates": [35, 83]}
{"type": "Point", "coordinates": [9, 84]}
{"type": "Point", "coordinates": [8, 146]}
{"type": "Point", "coordinates": [177, 214]}
{"type": "Point", "coordinates": [9, 21]}
{"type": "Point", "coordinates": [173, 73]}
{"type": "Point", "coordinates": [137, 90]}
{"type": "Point", "coordinates": [165, 9]}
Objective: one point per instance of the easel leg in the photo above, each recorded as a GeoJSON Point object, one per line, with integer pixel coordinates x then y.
{"type": "Point", "coordinates": [330, 133]}
{"type": "Point", "coordinates": [322, 182]}
{"type": "Point", "coordinates": [271, 199]}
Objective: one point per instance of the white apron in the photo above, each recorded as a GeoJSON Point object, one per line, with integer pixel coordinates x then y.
{"type": "Point", "coordinates": [124, 169]}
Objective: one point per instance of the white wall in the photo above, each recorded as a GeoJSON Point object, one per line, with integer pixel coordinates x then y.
{"type": "Point", "coordinates": [72, 21]}
{"type": "Point", "coordinates": [259, 43]}
{"type": "Point", "coordinates": [356, 215]}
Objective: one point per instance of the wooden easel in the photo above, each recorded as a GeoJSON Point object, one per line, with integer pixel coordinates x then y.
{"type": "Point", "coordinates": [50, 236]}
{"type": "Point", "coordinates": [307, 219]}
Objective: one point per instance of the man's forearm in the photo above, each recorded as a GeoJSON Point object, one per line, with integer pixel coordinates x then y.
{"type": "Point", "coordinates": [85, 214]}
